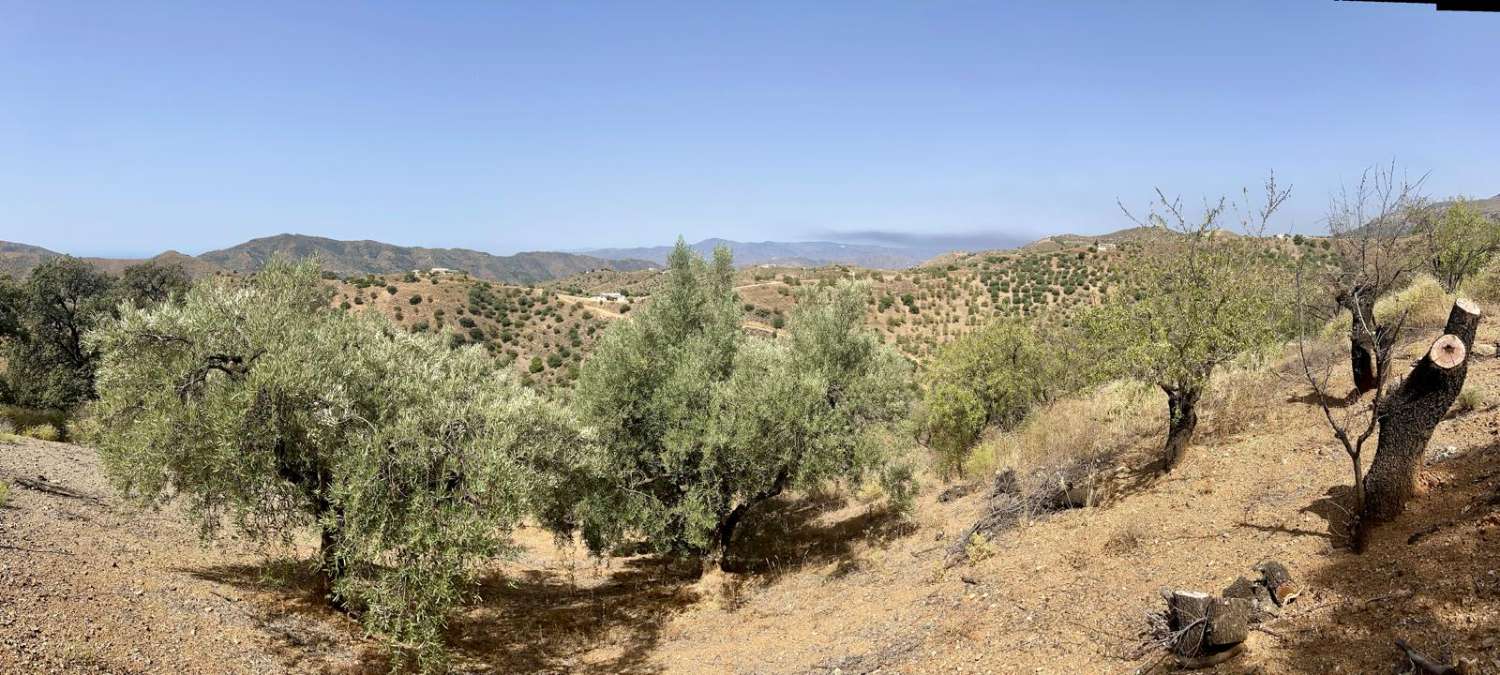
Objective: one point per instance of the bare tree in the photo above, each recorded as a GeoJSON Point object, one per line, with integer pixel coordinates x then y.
{"type": "Point", "coordinates": [1373, 227]}
{"type": "Point", "coordinates": [1356, 423]}
{"type": "Point", "coordinates": [1370, 227]}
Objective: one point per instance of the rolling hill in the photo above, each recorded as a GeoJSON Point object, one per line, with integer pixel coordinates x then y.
{"type": "Point", "coordinates": [373, 257]}
{"type": "Point", "coordinates": [346, 258]}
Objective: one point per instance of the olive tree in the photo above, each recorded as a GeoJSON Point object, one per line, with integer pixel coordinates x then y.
{"type": "Point", "coordinates": [694, 422]}
{"type": "Point", "coordinates": [1200, 299]}
{"type": "Point", "coordinates": [49, 364]}
{"type": "Point", "coordinates": [256, 406]}
{"type": "Point", "coordinates": [154, 282]}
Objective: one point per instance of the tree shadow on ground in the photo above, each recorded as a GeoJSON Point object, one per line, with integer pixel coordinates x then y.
{"type": "Point", "coordinates": [1322, 398]}
{"type": "Point", "coordinates": [608, 619]}
{"type": "Point", "coordinates": [301, 628]}
{"type": "Point", "coordinates": [541, 621]}
{"type": "Point", "coordinates": [1441, 593]}
{"type": "Point", "coordinates": [784, 535]}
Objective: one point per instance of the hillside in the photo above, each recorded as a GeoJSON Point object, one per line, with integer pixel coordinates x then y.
{"type": "Point", "coordinates": [17, 260]}
{"type": "Point", "coordinates": [542, 333]}
{"type": "Point", "coordinates": [828, 584]}
{"type": "Point", "coordinates": [373, 257]}
{"type": "Point", "coordinates": [789, 253]}
{"type": "Point", "coordinates": [921, 308]}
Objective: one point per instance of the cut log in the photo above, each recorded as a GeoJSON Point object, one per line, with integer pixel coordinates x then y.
{"type": "Point", "coordinates": [1190, 621]}
{"type": "Point", "coordinates": [1264, 605]}
{"type": "Point", "coordinates": [1278, 582]}
{"type": "Point", "coordinates": [1408, 415]}
{"type": "Point", "coordinates": [1241, 588]}
{"type": "Point", "coordinates": [1228, 621]}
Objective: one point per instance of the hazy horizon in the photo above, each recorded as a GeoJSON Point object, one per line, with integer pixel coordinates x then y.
{"type": "Point", "coordinates": [132, 129]}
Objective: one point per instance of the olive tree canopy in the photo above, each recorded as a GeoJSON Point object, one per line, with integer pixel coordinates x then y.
{"type": "Point", "coordinates": [256, 406]}
{"type": "Point", "coordinates": [695, 422]}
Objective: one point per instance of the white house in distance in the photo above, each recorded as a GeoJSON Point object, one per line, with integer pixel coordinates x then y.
{"type": "Point", "coordinates": [609, 297]}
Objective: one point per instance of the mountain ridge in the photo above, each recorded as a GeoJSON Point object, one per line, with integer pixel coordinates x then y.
{"type": "Point", "coordinates": [357, 257]}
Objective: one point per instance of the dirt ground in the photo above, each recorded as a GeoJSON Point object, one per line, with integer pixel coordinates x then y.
{"type": "Point", "coordinates": [825, 584]}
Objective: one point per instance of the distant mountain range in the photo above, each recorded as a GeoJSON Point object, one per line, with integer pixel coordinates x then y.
{"type": "Point", "coordinates": [793, 253]}
{"type": "Point", "coordinates": [349, 258]}
{"type": "Point", "coordinates": [373, 257]}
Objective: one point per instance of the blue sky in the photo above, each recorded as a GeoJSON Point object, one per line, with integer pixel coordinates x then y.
{"type": "Point", "coordinates": [128, 128]}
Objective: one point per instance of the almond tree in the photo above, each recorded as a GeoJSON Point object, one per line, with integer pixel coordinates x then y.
{"type": "Point", "coordinates": [1198, 301]}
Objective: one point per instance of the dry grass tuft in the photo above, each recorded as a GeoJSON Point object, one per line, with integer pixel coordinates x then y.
{"type": "Point", "coordinates": [42, 432]}
{"type": "Point", "coordinates": [1236, 399]}
{"type": "Point", "coordinates": [1424, 301]}
{"type": "Point", "coordinates": [1126, 540]}
{"type": "Point", "coordinates": [1470, 399]}
{"type": "Point", "coordinates": [1072, 429]}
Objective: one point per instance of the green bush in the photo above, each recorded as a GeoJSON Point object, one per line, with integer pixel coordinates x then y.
{"type": "Point", "coordinates": [258, 407]}
{"type": "Point", "coordinates": [42, 432]}
{"type": "Point", "coordinates": [415, 300]}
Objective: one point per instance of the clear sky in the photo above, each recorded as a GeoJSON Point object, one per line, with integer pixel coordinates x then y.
{"type": "Point", "coordinates": [132, 127]}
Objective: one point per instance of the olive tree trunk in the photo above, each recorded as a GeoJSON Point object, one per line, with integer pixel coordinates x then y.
{"type": "Point", "coordinates": [1182, 421]}
{"type": "Point", "coordinates": [731, 521]}
{"type": "Point", "coordinates": [1409, 415]}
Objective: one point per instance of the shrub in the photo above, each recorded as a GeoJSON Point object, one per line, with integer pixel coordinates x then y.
{"type": "Point", "coordinates": [391, 289]}
{"type": "Point", "coordinates": [4, 494]}
{"type": "Point", "coordinates": [1469, 399]}
{"type": "Point", "coordinates": [42, 432]}
{"type": "Point", "coordinates": [260, 408]}
{"type": "Point", "coordinates": [995, 375]}
{"type": "Point", "coordinates": [415, 300]}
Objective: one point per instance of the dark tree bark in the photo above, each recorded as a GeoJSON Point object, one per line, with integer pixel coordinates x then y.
{"type": "Point", "coordinates": [1228, 621]}
{"type": "Point", "coordinates": [1182, 421]}
{"type": "Point", "coordinates": [732, 520]}
{"type": "Point", "coordinates": [1408, 415]}
{"type": "Point", "coordinates": [1369, 342]}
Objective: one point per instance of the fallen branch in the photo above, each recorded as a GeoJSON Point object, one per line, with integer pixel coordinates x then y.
{"type": "Point", "coordinates": [1423, 663]}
